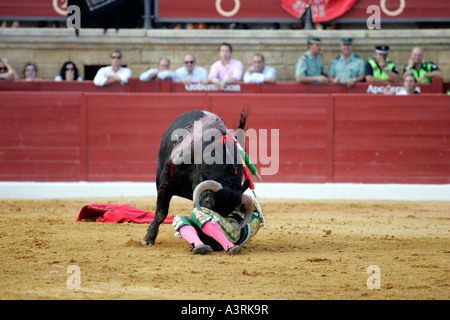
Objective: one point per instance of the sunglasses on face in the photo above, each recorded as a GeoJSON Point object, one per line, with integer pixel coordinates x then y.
{"type": "Point", "coordinates": [3, 69]}
{"type": "Point", "coordinates": [70, 69]}
{"type": "Point", "coordinates": [116, 57]}
{"type": "Point", "coordinates": [189, 62]}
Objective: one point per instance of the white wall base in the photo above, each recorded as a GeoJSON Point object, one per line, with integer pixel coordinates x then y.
{"type": "Point", "coordinates": [351, 191]}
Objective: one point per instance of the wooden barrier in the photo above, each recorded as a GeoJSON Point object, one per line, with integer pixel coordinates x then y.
{"type": "Point", "coordinates": [124, 132]}
{"type": "Point", "coordinates": [91, 136]}
{"type": "Point", "coordinates": [41, 136]}
{"type": "Point", "coordinates": [392, 140]}
{"type": "Point", "coordinates": [305, 133]}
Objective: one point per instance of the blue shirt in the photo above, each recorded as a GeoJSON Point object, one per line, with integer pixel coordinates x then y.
{"type": "Point", "coordinates": [353, 67]}
{"type": "Point", "coordinates": [308, 66]}
{"type": "Point", "coordinates": [260, 77]}
{"type": "Point", "coordinates": [197, 75]}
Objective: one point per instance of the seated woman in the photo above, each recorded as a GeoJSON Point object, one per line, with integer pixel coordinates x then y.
{"type": "Point", "coordinates": [30, 71]}
{"type": "Point", "coordinates": [68, 72]}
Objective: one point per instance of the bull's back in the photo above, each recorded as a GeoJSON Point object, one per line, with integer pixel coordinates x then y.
{"type": "Point", "coordinates": [186, 121]}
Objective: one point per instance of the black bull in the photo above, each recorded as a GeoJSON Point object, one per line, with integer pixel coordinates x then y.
{"type": "Point", "coordinates": [214, 183]}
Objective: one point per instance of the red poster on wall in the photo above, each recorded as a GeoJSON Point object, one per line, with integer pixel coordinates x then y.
{"type": "Point", "coordinates": [33, 8]}
{"type": "Point", "coordinates": [220, 10]}
{"type": "Point", "coordinates": [407, 10]}
{"type": "Point", "coordinates": [322, 10]}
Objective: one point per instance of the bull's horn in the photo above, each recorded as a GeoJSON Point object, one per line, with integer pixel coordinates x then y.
{"type": "Point", "coordinates": [203, 186]}
{"type": "Point", "coordinates": [248, 204]}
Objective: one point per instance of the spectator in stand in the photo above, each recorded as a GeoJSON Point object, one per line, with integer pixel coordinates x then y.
{"type": "Point", "coordinates": [423, 72]}
{"type": "Point", "coordinates": [7, 72]}
{"type": "Point", "coordinates": [309, 67]}
{"type": "Point", "coordinates": [259, 72]}
{"type": "Point", "coordinates": [381, 68]}
{"type": "Point", "coordinates": [226, 70]}
{"type": "Point", "coordinates": [113, 73]}
{"type": "Point", "coordinates": [160, 73]}
{"type": "Point", "coordinates": [409, 86]}
{"type": "Point", "coordinates": [15, 24]}
{"type": "Point", "coordinates": [68, 72]}
{"type": "Point", "coordinates": [190, 72]}
{"type": "Point", "coordinates": [346, 68]}
{"type": "Point", "coordinates": [30, 72]}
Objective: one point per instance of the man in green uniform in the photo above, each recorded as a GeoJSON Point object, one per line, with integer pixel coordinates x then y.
{"type": "Point", "coordinates": [309, 68]}
{"type": "Point", "coordinates": [423, 72]}
{"type": "Point", "coordinates": [346, 68]}
{"type": "Point", "coordinates": [381, 68]}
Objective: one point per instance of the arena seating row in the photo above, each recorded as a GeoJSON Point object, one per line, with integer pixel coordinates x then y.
{"type": "Point", "coordinates": [135, 85]}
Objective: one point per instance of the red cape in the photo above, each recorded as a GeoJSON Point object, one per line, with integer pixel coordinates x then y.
{"type": "Point", "coordinates": [114, 213]}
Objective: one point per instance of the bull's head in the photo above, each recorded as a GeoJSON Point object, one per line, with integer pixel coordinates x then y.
{"type": "Point", "coordinates": [223, 200]}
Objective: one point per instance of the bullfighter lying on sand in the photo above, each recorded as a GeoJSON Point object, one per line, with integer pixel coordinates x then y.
{"type": "Point", "coordinates": [208, 230]}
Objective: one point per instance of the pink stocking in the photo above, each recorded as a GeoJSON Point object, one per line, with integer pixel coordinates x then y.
{"type": "Point", "coordinates": [190, 235]}
{"type": "Point", "coordinates": [215, 231]}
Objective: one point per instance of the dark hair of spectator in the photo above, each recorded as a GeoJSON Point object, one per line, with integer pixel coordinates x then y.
{"type": "Point", "coordinates": [226, 44]}
{"type": "Point", "coordinates": [62, 72]}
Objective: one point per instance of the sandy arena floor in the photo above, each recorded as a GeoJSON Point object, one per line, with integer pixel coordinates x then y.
{"type": "Point", "coordinates": [308, 250]}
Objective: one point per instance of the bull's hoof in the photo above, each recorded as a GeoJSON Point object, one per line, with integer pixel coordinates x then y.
{"type": "Point", "coordinates": [145, 242]}
{"type": "Point", "coordinates": [201, 249]}
{"type": "Point", "coordinates": [234, 250]}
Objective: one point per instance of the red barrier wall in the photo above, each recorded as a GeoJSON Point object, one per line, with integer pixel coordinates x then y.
{"type": "Point", "coordinates": [41, 136]}
{"type": "Point", "coordinates": [392, 140]}
{"type": "Point", "coordinates": [124, 132]}
{"type": "Point", "coordinates": [305, 131]}
{"type": "Point", "coordinates": [72, 136]}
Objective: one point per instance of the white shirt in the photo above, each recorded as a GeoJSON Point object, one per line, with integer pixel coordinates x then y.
{"type": "Point", "coordinates": [102, 75]}
{"type": "Point", "coordinates": [197, 75]}
{"type": "Point", "coordinates": [59, 78]}
{"type": "Point", "coordinates": [260, 77]}
{"type": "Point", "coordinates": [165, 74]}
{"type": "Point", "coordinates": [402, 92]}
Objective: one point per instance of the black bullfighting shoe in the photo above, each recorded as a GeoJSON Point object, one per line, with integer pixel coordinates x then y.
{"type": "Point", "coordinates": [234, 250]}
{"type": "Point", "coordinates": [201, 249]}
